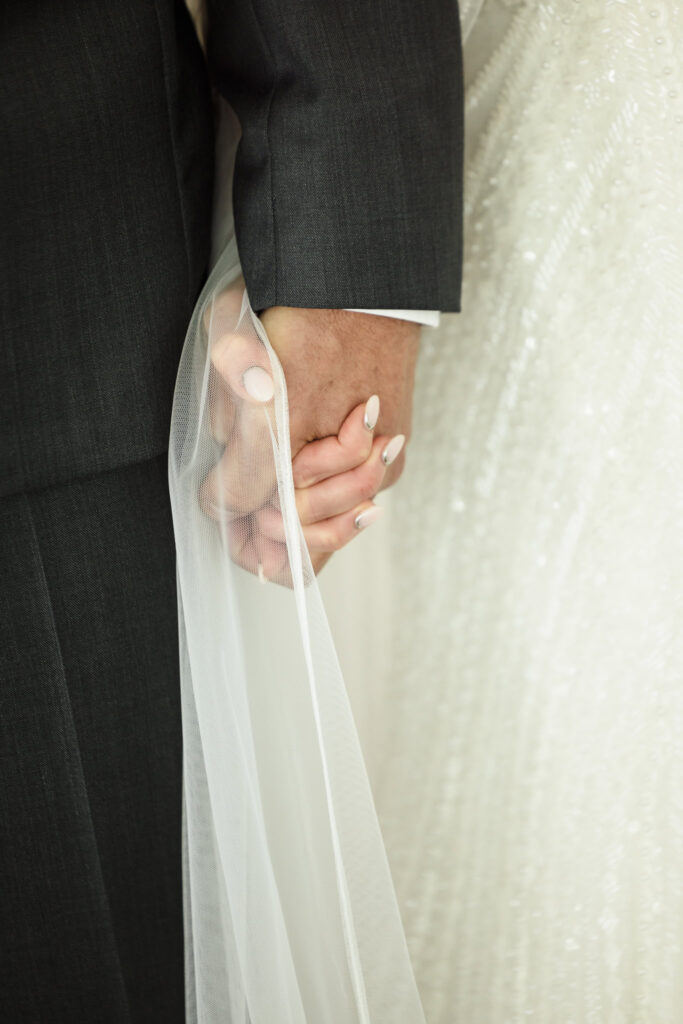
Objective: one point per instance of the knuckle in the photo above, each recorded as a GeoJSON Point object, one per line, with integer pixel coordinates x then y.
{"type": "Point", "coordinates": [365, 446]}
{"type": "Point", "coordinates": [332, 540]}
{"type": "Point", "coordinates": [323, 541]}
{"type": "Point", "coordinates": [337, 541]}
{"type": "Point", "coordinates": [308, 507]}
{"type": "Point", "coordinates": [368, 490]}
{"type": "Point", "coordinates": [368, 482]}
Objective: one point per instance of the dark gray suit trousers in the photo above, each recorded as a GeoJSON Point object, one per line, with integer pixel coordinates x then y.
{"type": "Point", "coordinates": [347, 194]}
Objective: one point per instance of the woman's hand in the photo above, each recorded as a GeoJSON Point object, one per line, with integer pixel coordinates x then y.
{"type": "Point", "coordinates": [336, 480]}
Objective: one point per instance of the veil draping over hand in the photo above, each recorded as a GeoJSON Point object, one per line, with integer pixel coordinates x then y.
{"type": "Point", "coordinates": [289, 905]}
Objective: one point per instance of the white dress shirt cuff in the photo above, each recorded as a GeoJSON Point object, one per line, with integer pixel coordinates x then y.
{"type": "Point", "coordinates": [428, 317]}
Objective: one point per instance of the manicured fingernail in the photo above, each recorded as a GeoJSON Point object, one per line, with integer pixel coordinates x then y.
{"type": "Point", "coordinates": [393, 448]}
{"type": "Point", "coordinates": [258, 383]}
{"type": "Point", "coordinates": [261, 575]}
{"type": "Point", "coordinates": [368, 517]}
{"type": "Point", "coordinates": [371, 412]}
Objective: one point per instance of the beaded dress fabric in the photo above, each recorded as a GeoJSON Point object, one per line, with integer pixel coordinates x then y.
{"type": "Point", "coordinates": [512, 633]}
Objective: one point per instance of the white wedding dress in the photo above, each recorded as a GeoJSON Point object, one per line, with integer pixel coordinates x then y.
{"type": "Point", "coordinates": [512, 632]}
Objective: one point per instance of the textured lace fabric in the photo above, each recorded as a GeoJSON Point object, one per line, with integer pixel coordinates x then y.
{"type": "Point", "coordinates": [515, 651]}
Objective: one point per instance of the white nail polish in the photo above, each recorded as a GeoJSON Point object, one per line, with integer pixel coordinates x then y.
{"type": "Point", "coordinates": [258, 383]}
{"type": "Point", "coordinates": [371, 412]}
{"type": "Point", "coordinates": [367, 517]}
{"type": "Point", "coordinates": [261, 575]}
{"type": "Point", "coordinates": [393, 449]}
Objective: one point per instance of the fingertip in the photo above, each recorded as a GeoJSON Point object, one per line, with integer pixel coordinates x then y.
{"type": "Point", "coordinates": [258, 384]}
{"type": "Point", "coordinates": [244, 365]}
{"type": "Point", "coordinates": [371, 412]}
{"type": "Point", "coordinates": [355, 433]}
{"type": "Point", "coordinates": [368, 516]}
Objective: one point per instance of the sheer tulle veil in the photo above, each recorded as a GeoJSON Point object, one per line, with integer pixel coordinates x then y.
{"type": "Point", "coordinates": [289, 906]}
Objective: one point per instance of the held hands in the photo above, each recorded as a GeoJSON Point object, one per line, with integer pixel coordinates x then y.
{"type": "Point", "coordinates": [335, 481]}
{"type": "Point", "coordinates": [345, 446]}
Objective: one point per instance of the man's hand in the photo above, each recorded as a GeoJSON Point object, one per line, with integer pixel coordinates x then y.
{"type": "Point", "coordinates": [345, 448]}
{"type": "Point", "coordinates": [332, 360]}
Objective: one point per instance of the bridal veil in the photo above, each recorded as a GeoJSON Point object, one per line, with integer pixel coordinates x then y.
{"type": "Point", "coordinates": [290, 911]}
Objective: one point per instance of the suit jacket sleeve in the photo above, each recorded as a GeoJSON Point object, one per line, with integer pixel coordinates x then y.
{"type": "Point", "coordinates": [348, 178]}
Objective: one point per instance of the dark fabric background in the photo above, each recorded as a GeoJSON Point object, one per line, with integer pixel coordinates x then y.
{"type": "Point", "coordinates": [348, 194]}
{"type": "Point", "coordinates": [90, 749]}
{"type": "Point", "coordinates": [105, 183]}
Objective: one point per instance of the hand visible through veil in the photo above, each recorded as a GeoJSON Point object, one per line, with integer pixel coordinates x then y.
{"type": "Point", "coordinates": [340, 458]}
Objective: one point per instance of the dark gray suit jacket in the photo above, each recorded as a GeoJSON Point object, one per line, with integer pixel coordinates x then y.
{"type": "Point", "coordinates": [348, 185]}
{"type": "Point", "coordinates": [347, 194]}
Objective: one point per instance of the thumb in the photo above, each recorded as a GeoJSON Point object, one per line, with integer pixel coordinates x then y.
{"type": "Point", "coordinates": [237, 353]}
{"type": "Point", "coordinates": [243, 364]}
